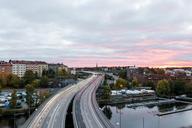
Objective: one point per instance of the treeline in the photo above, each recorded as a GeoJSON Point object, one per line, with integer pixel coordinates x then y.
{"type": "Point", "coordinates": [164, 87]}
{"type": "Point", "coordinates": [168, 88]}
{"type": "Point", "coordinates": [13, 81]}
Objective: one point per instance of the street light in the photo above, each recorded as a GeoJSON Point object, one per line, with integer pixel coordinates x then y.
{"type": "Point", "coordinates": [14, 118]}
{"type": "Point", "coordinates": [143, 122]}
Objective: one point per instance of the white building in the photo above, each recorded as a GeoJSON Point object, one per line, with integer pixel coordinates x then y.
{"type": "Point", "coordinates": [188, 73]}
{"type": "Point", "coordinates": [73, 71]}
{"type": "Point", "coordinates": [18, 69]}
{"type": "Point", "coordinates": [133, 67]}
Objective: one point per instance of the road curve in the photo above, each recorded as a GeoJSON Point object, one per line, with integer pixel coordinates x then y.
{"type": "Point", "coordinates": [86, 112]}
{"type": "Point", "coordinates": [52, 114]}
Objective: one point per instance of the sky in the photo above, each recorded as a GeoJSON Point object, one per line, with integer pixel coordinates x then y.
{"type": "Point", "coordinates": [107, 32]}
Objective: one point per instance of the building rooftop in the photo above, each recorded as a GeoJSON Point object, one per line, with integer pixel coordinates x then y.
{"type": "Point", "coordinates": [26, 62]}
{"type": "Point", "coordinates": [4, 63]}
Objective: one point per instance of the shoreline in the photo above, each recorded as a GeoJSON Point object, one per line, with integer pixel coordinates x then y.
{"type": "Point", "coordinates": [121, 99]}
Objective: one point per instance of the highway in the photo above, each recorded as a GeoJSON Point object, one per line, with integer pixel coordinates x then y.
{"type": "Point", "coordinates": [86, 112]}
{"type": "Point", "coordinates": [53, 113]}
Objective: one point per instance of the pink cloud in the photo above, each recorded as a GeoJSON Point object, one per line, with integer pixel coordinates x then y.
{"type": "Point", "coordinates": [145, 53]}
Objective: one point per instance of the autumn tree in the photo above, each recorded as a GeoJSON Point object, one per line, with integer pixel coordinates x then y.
{"type": "Point", "coordinates": [14, 99]}
{"type": "Point", "coordinates": [3, 81]}
{"type": "Point", "coordinates": [62, 72]}
{"type": "Point", "coordinates": [120, 83]}
{"type": "Point", "coordinates": [163, 88]}
{"type": "Point", "coordinates": [35, 83]}
{"type": "Point", "coordinates": [13, 81]}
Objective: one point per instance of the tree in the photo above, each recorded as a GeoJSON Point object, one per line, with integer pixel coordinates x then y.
{"type": "Point", "coordinates": [179, 87]}
{"type": "Point", "coordinates": [36, 75]}
{"type": "Point", "coordinates": [105, 82]}
{"type": "Point", "coordinates": [123, 74]}
{"type": "Point", "coordinates": [3, 81]}
{"type": "Point", "coordinates": [29, 77]}
{"type": "Point", "coordinates": [106, 92]}
{"type": "Point", "coordinates": [36, 83]}
{"type": "Point", "coordinates": [149, 84]}
{"type": "Point", "coordinates": [172, 90]}
{"type": "Point", "coordinates": [43, 96]}
{"type": "Point", "coordinates": [163, 88]}
{"type": "Point", "coordinates": [14, 99]}
{"type": "Point", "coordinates": [120, 83]}
{"type": "Point", "coordinates": [22, 83]}
{"type": "Point", "coordinates": [159, 71]}
{"type": "Point", "coordinates": [188, 88]}
{"type": "Point", "coordinates": [44, 81]}
{"type": "Point", "coordinates": [29, 90]}
{"type": "Point", "coordinates": [51, 73]}
{"type": "Point", "coordinates": [129, 86]}
{"type": "Point", "coordinates": [0, 87]}
{"type": "Point", "coordinates": [45, 73]}
{"type": "Point", "coordinates": [135, 83]}
{"type": "Point", "coordinates": [13, 81]}
{"type": "Point", "coordinates": [62, 72]}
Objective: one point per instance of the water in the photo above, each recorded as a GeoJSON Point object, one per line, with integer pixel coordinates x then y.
{"type": "Point", "coordinates": [145, 116]}
{"type": "Point", "coordinates": [11, 122]}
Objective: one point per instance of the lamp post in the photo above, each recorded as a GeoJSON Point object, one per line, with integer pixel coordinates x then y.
{"type": "Point", "coordinates": [143, 123]}
{"type": "Point", "coordinates": [29, 104]}
{"type": "Point", "coordinates": [120, 118]}
{"type": "Point", "coordinates": [159, 122]}
{"type": "Point", "coordinates": [14, 119]}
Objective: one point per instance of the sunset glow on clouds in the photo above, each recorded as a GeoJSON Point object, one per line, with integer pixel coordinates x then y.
{"type": "Point", "coordinates": [109, 32]}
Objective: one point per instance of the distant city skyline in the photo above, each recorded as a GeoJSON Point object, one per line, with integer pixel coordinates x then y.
{"type": "Point", "coordinates": [89, 32]}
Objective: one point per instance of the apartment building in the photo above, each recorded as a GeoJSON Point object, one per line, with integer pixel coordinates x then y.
{"type": "Point", "coordinates": [36, 66]}
{"type": "Point", "coordinates": [32, 66]}
{"type": "Point", "coordinates": [20, 67]}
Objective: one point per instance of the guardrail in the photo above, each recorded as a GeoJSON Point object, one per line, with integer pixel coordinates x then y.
{"type": "Point", "coordinates": [106, 123]}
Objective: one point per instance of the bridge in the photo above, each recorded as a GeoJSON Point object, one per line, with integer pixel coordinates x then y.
{"type": "Point", "coordinates": [86, 112]}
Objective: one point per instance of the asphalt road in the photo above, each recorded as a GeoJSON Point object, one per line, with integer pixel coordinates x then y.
{"type": "Point", "coordinates": [85, 105]}
{"type": "Point", "coordinates": [53, 113]}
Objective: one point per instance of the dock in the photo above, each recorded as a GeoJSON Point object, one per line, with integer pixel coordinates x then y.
{"type": "Point", "coordinates": [173, 112]}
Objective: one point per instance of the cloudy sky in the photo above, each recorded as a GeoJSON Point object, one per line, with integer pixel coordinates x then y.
{"type": "Point", "coordinates": [107, 32]}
